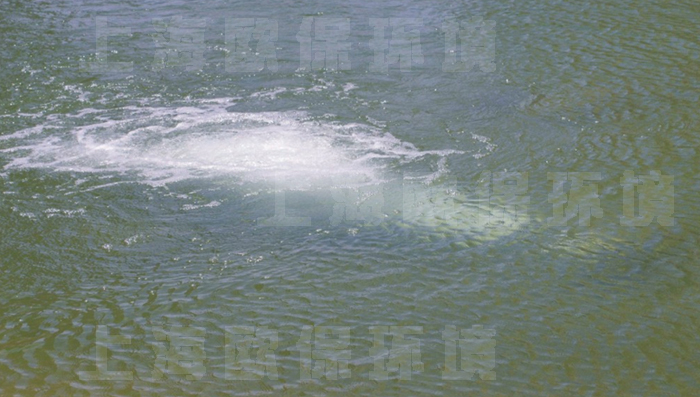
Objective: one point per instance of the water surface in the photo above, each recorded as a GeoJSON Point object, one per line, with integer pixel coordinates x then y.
{"type": "Point", "coordinates": [194, 199]}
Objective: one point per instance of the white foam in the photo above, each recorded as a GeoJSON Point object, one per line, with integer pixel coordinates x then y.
{"type": "Point", "coordinates": [204, 140]}
{"type": "Point", "coordinates": [272, 94]}
{"type": "Point", "coordinates": [189, 207]}
{"type": "Point", "coordinates": [349, 86]}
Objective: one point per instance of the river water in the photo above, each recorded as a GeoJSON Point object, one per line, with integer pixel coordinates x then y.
{"type": "Point", "coordinates": [349, 198]}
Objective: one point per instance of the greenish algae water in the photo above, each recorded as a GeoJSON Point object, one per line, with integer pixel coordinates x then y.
{"type": "Point", "coordinates": [177, 222]}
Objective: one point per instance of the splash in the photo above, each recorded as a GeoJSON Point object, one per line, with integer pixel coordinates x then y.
{"type": "Point", "coordinates": [165, 145]}
{"type": "Point", "coordinates": [347, 168]}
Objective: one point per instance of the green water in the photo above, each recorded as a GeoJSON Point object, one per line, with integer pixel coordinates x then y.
{"type": "Point", "coordinates": [146, 213]}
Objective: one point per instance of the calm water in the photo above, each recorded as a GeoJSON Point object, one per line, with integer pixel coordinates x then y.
{"type": "Point", "coordinates": [149, 213]}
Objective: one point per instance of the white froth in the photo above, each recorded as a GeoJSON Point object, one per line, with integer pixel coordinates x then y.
{"type": "Point", "coordinates": [163, 145]}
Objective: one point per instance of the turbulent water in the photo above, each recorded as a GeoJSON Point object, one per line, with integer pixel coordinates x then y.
{"type": "Point", "coordinates": [179, 218]}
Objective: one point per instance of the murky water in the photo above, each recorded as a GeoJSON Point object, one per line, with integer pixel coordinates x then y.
{"type": "Point", "coordinates": [178, 222]}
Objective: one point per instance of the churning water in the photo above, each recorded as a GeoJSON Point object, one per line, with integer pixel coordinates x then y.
{"type": "Point", "coordinates": [307, 228]}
